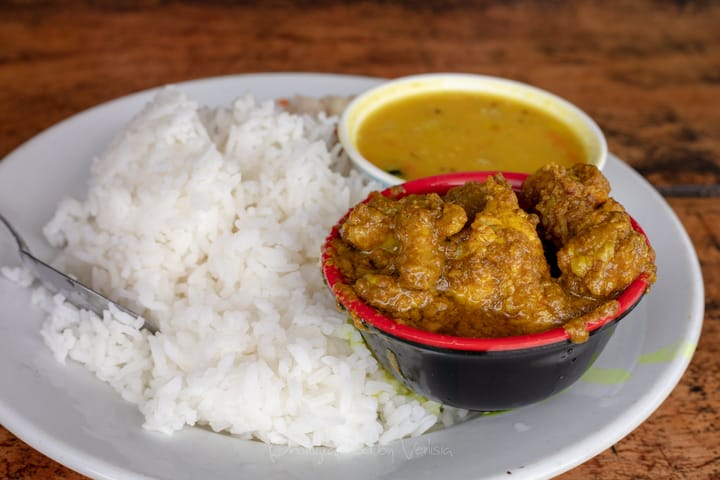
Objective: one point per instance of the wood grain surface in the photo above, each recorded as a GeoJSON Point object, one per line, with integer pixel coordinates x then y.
{"type": "Point", "coordinates": [647, 71]}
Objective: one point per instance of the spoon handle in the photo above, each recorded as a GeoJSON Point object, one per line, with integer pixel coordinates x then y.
{"type": "Point", "coordinates": [74, 291]}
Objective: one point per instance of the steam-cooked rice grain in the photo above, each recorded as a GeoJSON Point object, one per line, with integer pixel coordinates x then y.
{"type": "Point", "coordinates": [209, 222]}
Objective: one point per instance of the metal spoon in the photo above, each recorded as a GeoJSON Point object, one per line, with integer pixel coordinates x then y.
{"type": "Point", "coordinates": [74, 291]}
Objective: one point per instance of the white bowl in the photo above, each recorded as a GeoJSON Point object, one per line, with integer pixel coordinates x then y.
{"type": "Point", "coordinates": [362, 106]}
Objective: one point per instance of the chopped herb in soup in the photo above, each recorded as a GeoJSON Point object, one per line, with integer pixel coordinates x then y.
{"type": "Point", "coordinates": [442, 132]}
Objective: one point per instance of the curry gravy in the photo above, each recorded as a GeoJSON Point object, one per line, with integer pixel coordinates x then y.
{"type": "Point", "coordinates": [473, 263]}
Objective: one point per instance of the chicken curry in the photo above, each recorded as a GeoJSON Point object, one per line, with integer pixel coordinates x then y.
{"type": "Point", "coordinates": [485, 261]}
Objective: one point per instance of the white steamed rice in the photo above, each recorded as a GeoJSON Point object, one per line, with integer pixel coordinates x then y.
{"type": "Point", "coordinates": [209, 222]}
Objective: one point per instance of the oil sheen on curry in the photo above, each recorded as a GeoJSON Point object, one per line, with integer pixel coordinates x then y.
{"type": "Point", "coordinates": [486, 261]}
{"type": "Point", "coordinates": [443, 132]}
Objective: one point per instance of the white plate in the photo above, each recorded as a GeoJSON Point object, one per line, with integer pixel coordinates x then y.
{"type": "Point", "coordinates": [75, 419]}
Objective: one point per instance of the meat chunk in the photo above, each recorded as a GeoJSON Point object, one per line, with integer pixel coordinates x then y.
{"type": "Point", "coordinates": [599, 251]}
{"type": "Point", "coordinates": [500, 252]}
{"type": "Point", "coordinates": [562, 197]}
{"type": "Point", "coordinates": [606, 254]}
{"type": "Point", "coordinates": [413, 229]}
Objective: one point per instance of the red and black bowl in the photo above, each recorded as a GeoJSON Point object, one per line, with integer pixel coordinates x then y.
{"type": "Point", "coordinates": [487, 374]}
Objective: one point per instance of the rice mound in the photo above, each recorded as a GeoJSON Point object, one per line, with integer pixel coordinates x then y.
{"type": "Point", "coordinates": [209, 222]}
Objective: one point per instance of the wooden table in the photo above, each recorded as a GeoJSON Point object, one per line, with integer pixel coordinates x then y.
{"type": "Point", "coordinates": [647, 71]}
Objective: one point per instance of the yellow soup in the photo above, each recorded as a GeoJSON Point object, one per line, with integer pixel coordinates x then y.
{"type": "Point", "coordinates": [444, 132]}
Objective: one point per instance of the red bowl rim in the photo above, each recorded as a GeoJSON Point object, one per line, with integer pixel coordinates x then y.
{"type": "Point", "coordinates": [441, 184]}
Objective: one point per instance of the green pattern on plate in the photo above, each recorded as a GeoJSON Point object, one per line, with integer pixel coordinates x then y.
{"type": "Point", "coordinates": [606, 376]}
{"type": "Point", "coordinates": [669, 353]}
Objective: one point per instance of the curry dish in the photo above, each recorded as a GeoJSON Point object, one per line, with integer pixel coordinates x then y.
{"type": "Point", "coordinates": [449, 131]}
{"type": "Point", "coordinates": [485, 261]}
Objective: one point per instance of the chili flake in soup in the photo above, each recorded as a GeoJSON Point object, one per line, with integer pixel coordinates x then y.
{"type": "Point", "coordinates": [442, 132]}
